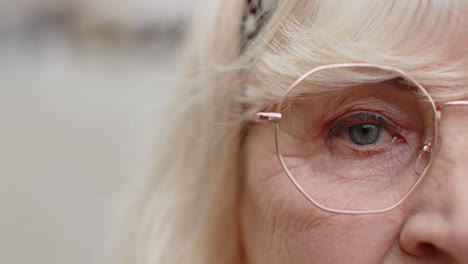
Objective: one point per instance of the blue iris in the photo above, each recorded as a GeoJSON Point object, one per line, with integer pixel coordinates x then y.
{"type": "Point", "coordinates": [364, 134]}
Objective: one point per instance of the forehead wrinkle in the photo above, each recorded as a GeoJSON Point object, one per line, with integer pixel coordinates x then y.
{"type": "Point", "coordinates": [441, 67]}
{"type": "Point", "coordinates": [441, 85]}
{"type": "Point", "coordinates": [442, 77]}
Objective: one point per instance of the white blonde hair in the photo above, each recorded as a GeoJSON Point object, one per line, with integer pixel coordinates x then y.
{"type": "Point", "coordinates": [187, 212]}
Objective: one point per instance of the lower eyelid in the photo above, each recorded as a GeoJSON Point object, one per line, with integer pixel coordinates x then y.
{"type": "Point", "coordinates": [366, 150]}
{"type": "Point", "coordinates": [351, 152]}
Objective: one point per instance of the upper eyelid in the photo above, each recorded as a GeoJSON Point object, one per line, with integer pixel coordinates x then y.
{"type": "Point", "coordinates": [359, 117]}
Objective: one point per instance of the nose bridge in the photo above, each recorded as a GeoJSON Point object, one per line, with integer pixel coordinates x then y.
{"type": "Point", "coordinates": [453, 133]}
{"type": "Point", "coordinates": [449, 177]}
{"type": "Point", "coordinates": [450, 166]}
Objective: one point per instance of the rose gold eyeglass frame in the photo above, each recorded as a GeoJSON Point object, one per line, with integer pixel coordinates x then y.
{"type": "Point", "coordinates": [427, 149]}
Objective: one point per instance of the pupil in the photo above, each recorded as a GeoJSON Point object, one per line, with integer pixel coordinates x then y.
{"type": "Point", "coordinates": [364, 134]}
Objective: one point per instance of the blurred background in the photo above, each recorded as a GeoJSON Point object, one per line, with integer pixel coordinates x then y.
{"type": "Point", "coordinates": [80, 86]}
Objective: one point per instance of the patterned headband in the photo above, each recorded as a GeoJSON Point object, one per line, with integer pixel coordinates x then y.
{"type": "Point", "coordinates": [256, 14]}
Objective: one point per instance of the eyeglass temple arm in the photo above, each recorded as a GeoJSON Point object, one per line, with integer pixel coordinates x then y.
{"type": "Point", "coordinates": [271, 117]}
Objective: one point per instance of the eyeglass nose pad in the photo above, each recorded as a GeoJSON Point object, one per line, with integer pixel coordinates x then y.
{"type": "Point", "coordinates": [423, 158]}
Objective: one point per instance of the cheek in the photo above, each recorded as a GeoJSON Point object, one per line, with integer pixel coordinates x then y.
{"type": "Point", "coordinates": [280, 226]}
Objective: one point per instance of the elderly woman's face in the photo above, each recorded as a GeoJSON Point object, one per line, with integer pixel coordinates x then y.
{"type": "Point", "coordinates": [279, 225]}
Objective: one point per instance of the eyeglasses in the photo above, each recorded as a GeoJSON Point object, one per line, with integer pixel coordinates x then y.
{"type": "Point", "coordinates": [352, 143]}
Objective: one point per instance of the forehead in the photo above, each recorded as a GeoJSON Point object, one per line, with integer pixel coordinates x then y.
{"type": "Point", "coordinates": [426, 39]}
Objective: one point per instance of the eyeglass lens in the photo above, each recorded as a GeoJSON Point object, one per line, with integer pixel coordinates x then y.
{"type": "Point", "coordinates": [353, 138]}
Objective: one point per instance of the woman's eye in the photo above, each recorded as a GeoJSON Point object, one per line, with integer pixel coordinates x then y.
{"type": "Point", "coordinates": [367, 134]}
{"type": "Point", "coordinates": [363, 129]}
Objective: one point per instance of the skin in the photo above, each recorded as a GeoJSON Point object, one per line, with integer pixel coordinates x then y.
{"type": "Point", "coordinates": [279, 225]}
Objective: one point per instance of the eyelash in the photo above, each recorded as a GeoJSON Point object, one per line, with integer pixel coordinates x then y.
{"type": "Point", "coordinates": [357, 118]}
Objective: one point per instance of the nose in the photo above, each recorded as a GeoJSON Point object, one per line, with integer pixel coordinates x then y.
{"type": "Point", "coordinates": [438, 226]}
